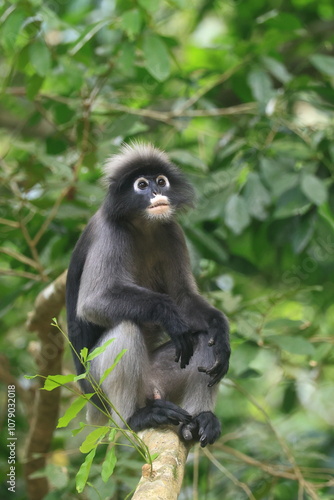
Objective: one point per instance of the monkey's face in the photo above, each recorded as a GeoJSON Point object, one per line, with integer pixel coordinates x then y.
{"type": "Point", "coordinates": [153, 196]}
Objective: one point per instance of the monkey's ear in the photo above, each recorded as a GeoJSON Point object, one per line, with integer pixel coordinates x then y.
{"type": "Point", "coordinates": [130, 157]}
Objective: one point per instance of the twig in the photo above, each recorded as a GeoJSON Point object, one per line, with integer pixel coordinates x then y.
{"type": "Point", "coordinates": [10, 223]}
{"type": "Point", "coordinates": [20, 274]}
{"type": "Point", "coordinates": [229, 474]}
{"type": "Point", "coordinates": [303, 483]}
{"type": "Point", "coordinates": [19, 256]}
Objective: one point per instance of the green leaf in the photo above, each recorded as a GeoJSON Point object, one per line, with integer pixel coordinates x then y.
{"type": "Point", "coordinates": [291, 203]}
{"type": "Point", "coordinates": [73, 410]}
{"type": "Point", "coordinates": [10, 29]}
{"type": "Point", "coordinates": [33, 84]}
{"type": "Point", "coordinates": [156, 57]}
{"type": "Point", "coordinates": [110, 369]}
{"type": "Point", "coordinates": [236, 214]}
{"type": "Point", "coordinates": [80, 377]}
{"type": "Point", "coordinates": [184, 157]}
{"type": "Point", "coordinates": [108, 465]}
{"type": "Point", "coordinates": [40, 57]}
{"type": "Point", "coordinates": [112, 434]}
{"type": "Point", "coordinates": [208, 242]}
{"type": "Point", "coordinates": [314, 188]}
{"type": "Point", "coordinates": [277, 69]}
{"type": "Point", "coordinates": [303, 234]}
{"type": "Point", "coordinates": [295, 345]}
{"type": "Point", "coordinates": [278, 182]}
{"type": "Point", "coordinates": [327, 215]}
{"type": "Point", "coordinates": [88, 33]}
{"type": "Point", "coordinates": [149, 5]}
{"type": "Point", "coordinates": [325, 64]}
{"type": "Point", "coordinates": [84, 354]}
{"type": "Point", "coordinates": [249, 373]}
{"type": "Point", "coordinates": [99, 350]}
{"type": "Point", "coordinates": [126, 58]}
{"type": "Point", "coordinates": [260, 85]}
{"type": "Point", "coordinates": [83, 473]}
{"type": "Point", "coordinates": [256, 196]}
{"type": "Point", "coordinates": [54, 381]}
{"type": "Point", "coordinates": [131, 22]}
{"type": "Point", "coordinates": [93, 439]}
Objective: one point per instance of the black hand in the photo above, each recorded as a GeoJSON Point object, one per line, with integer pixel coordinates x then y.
{"type": "Point", "coordinates": [184, 348]}
{"type": "Point", "coordinates": [219, 342]}
{"type": "Point", "coordinates": [158, 412]}
{"type": "Point", "coordinates": [204, 428]}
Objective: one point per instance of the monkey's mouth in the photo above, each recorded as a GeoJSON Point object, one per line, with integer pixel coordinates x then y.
{"type": "Point", "coordinates": [159, 204]}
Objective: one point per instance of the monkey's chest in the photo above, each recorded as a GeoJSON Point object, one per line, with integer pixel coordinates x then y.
{"type": "Point", "coordinates": [150, 274]}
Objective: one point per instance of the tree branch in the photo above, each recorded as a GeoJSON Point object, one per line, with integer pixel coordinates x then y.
{"type": "Point", "coordinates": [49, 359]}
{"type": "Point", "coordinates": [165, 480]}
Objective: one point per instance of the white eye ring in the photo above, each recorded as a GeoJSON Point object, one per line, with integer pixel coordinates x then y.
{"type": "Point", "coordinates": [140, 184]}
{"type": "Point", "coordinates": [164, 179]}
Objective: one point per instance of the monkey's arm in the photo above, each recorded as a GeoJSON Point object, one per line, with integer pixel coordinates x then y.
{"type": "Point", "coordinates": [108, 295]}
{"type": "Point", "coordinates": [198, 313]}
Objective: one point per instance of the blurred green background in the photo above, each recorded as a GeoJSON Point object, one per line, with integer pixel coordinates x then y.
{"type": "Point", "coordinates": [240, 95]}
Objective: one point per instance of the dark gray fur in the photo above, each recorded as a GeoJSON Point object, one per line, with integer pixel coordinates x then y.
{"type": "Point", "coordinates": [130, 279]}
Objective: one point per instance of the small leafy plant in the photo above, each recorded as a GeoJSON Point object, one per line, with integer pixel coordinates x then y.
{"type": "Point", "coordinates": [100, 435]}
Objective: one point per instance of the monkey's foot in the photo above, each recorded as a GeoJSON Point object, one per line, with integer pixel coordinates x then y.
{"type": "Point", "coordinates": [156, 413]}
{"type": "Point", "coordinates": [205, 428]}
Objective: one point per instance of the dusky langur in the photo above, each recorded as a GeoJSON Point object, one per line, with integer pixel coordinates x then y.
{"type": "Point", "coordinates": [130, 279]}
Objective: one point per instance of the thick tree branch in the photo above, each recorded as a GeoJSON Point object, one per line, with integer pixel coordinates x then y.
{"type": "Point", "coordinates": [49, 360]}
{"type": "Point", "coordinates": [165, 480]}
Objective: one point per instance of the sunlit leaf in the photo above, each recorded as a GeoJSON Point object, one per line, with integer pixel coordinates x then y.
{"type": "Point", "coordinates": [99, 350]}
{"type": "Point", "coordinates": [131, 22]}
{"type": "Point", "coordinates": [108, 464]}
{"type": "Point", "coordinates": [314, 188]}
{"type": "Point", "coordinates": [323, 63]}
{"type": "Point", "coordinates": [40, 57]}
{"type": "Point", "coordinates": [111, 368]}
{"type": "Point", "coordinates": [156, 57]}
{"type": "Point", "coordinates": [93, 439]}
{"type": "Point", "coordinates": [236, 214]}
{"type": "Point", "coordinates": [72, 411]}
{"type": "Point", "coordinates": [82, 475]}
{"type": "Point", "coordinates": [260, 85]}
{"type": "Point", "coordinates": [295, 345]}
{"type": "Point", "coordinates": [256, 196]}
{"type": "Point", "coordinates": [54, 381]}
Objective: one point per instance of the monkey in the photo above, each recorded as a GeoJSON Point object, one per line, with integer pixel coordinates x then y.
{"type": "Point", "coordinates": [130, 279]}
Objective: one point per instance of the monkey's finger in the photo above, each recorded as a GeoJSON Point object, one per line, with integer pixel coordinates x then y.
{"type": "Point", "coordinates": [187, 350]}
{"type": "Point", "coordinates": [220, 374]}
{"type": "Point", "coordinates": [209, 371]}
{"type": "Point", "coordinates": [185, 358]}
{"type": "Point", "coordinates": [178, 351]}
{"type": "Point", "coordinates": [214, 368]}
{"type": "Point", "coordinates": [215, 380]}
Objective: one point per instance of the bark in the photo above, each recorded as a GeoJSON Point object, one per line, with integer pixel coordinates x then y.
{"type": "Point", "coordinates": [164, 482]}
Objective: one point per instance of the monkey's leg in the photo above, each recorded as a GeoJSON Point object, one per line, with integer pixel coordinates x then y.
{"type": "Point", "coordinates": [189, 388]}
{"type": "Point", "coordinates": [124, 386]}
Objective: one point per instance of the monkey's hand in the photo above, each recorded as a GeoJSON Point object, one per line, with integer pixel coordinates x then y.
{"type": "Point", "coordinates": [158, 412]}
{"type": "Point", "coordinates": [184, 348]}
{"type": "Point", "coordinates": [219, 343]}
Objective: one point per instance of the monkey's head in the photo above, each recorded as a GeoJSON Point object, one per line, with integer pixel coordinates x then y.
{"type": "Point", "coordinates": [142, 181]}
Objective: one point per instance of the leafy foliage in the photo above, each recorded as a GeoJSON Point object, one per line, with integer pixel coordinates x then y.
{"type": "Point", "coordinates": [241, 97]}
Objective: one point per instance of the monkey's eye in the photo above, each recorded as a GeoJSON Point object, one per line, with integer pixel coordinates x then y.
{"type": "Point", "coordinates": [162, 181]}
{"type": "Point", "coordinates": [140, 184]}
